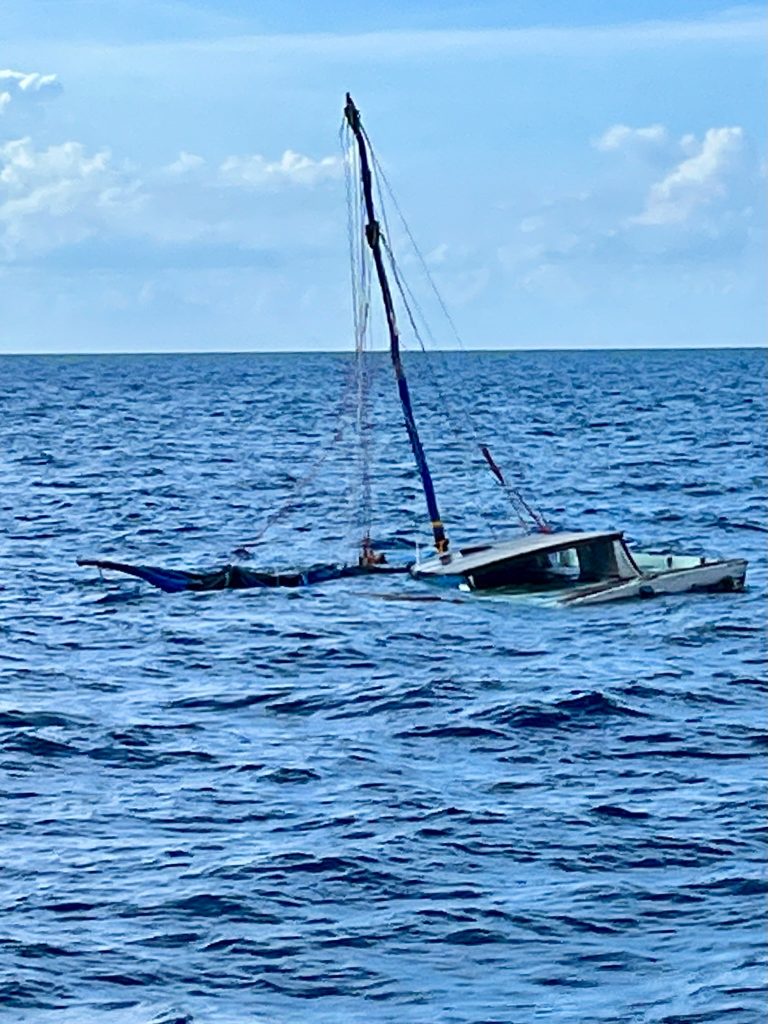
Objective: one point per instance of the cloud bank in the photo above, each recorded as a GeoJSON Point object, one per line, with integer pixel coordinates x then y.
{"type": "Point", "coordinates": [58, 196]}
{"type": "Point", "coordinates": [64, 194]}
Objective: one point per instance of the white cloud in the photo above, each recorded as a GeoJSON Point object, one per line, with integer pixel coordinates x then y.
{"type": "Point", "coordinates": [26, 85]}
{"type": "Point", "coordinates": [695, 181]}
{"type": "Point", "coordinates": [291, 169]}
{"type": "Point", "coordinates": [620, 136]}
{"type": "Point", "coordinates": [66, 194]}
{"type": "Point", "coordinates": [58, 196]}
{"type": "Point", "coordinates": [688, 202]}
{"type": "Point", "coordinates": [186, 163]}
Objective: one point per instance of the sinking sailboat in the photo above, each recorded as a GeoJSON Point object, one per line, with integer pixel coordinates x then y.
{"type": "Point", "coordinates": [575, 567]}
{"type": "Point", "coordinates": [580, 567]}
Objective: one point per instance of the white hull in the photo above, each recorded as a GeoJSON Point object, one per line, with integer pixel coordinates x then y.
{"type": "Point", "coordinates": [579, 568]}
{"type": "Point", "coordinates": [720, 575]}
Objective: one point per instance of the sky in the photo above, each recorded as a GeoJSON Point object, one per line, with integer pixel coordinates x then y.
{"type": "Point", "coordinates": [578, 174]}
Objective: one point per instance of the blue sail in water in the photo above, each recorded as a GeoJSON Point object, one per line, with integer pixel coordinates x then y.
{"type": "Point", "coordinates": [236, 577]}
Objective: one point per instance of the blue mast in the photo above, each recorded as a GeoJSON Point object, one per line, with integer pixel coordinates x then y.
{"type": "Point", "coordinates": [373, 237]}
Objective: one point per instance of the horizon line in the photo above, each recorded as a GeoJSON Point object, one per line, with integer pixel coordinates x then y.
{"type": "Point", "coordinates": [385, 351]}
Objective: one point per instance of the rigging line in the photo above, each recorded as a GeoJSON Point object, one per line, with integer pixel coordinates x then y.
{"type": "Point", "coordinates": [513, 493]}
{"type": "Point", "coordinates": [404, 287]}
{"type": "Point", "coordinates": [447, 407]}
{"type": "Point", "coordinates": [363, 426]}
{"type": "Point", "coordinates": [361, 289]}
{"type": "Point", "coordinates": [351, 230]}
{"type": "Point", "coordinates": [354, 214]}
{"type": "Point", "coordinates": [519, 505]}
{"type": "Point", "coordinates": [382, 176]}
{"type": "Point", "coordinates": [403, 284]}
{"type": "Point", "coordinates": [454, 412]}
{"type": "Point", "coordinates": [301, 483]}
{"type": "Point", "coordinates": [517, 501]}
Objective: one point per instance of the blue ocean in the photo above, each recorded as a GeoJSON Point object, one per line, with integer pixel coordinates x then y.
{"type": "Point", "coordinates": [375, 800]}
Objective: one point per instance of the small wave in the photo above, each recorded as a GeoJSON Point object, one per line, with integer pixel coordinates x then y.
{"type": "Point", "coordinates": [733, 887]}
{"type": "Point", "coordinates": [613, 811]}
{"type": "Point", "coordinates": [515, 652]}
{"type": "Point", "coordinates": [292, 776]}
{"type": "Point", "coordinates": [38, 746]}
{"type": "Point", "coordinates": [580, 924]}
{"type": "Point", "coordinates": [351, 942]}
{"type": "Point", "coordinates": [225, 703]}
{"type": "Point", "coordinates": [27, 995]}
{"type": "Point", "coordinates": [72, 907]}
{"type": "Point", "coordinates": [730, 524]}
{"type": "Point", "coordinates": [597, 705]}
{"type": "Point", "coordinates": [248, 947]}
{"type": "Point", "coordinates": [208, 905]}
{"type": "Point", "coordinates": [685, 752]}
{"type": "Point", "coordinates": [170, 940]}
{"type": "Point", "coordinates": [122, 596]}
{"type": "Point", "coordinates": [36, 720]}
{"type": "Point", "coordinates": [473, 937]}
{"type": "Point", "coordinates": [126, 980]}
{"type": "Point", "coordinates": [36, 950]}
{"type": "Point", "coordinates": [451, 732]}
{"type": "Point", "coordinates": [653, 737]}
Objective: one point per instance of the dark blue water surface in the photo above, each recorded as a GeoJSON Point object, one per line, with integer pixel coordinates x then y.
{"type": "Point", "coordinates": [373, 800]}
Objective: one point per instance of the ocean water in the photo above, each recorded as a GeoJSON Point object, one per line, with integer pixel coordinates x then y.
{"type": "Point", "coordinates": [374, 800]}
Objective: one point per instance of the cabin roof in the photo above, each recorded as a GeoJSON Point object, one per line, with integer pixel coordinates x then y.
{"type": "Point", "coordinates": [477, 556]}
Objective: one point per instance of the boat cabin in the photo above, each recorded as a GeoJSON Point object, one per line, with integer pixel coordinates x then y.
{"type": "Point", "coordinates": [539, 560]}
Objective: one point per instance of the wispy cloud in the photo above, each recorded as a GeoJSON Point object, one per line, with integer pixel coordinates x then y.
{"type": "Point", "coordinates": [256, 171]}
{"type": "Point", "coordinates": [743, 27]}
{"type": "Point", "coordinates": [695, 181]}
{"type": "Point", "coordinates": [26, 86]}
{"type": "Point", "coordinates": [184, 165]}
{"type": "Point", "coordinates": [620, 136]}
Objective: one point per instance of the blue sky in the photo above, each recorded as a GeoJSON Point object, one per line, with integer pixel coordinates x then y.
{"type": "Point", "coordinates": [579, 175]}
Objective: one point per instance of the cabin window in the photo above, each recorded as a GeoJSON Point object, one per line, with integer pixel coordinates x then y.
{"type": "Point", "coordinates": [584, 563]}
{"type": "Point", "coordinates": [603, 560]}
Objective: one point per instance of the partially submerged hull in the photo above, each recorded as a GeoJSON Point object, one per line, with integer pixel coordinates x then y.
{"type": "Point", "coordinates": [579, 569]}
{"type": "Point", "coordinates": [720, 575]}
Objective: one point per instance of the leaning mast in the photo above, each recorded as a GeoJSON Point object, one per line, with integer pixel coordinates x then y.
{"type": "Point", "coordinates": [373, 237]}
